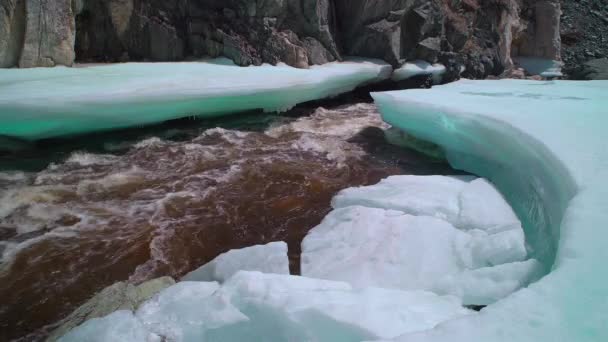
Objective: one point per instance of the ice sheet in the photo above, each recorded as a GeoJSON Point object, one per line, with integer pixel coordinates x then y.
{"type": "Point", "coordinates": [543, 144]}
{"type": "Point", "coordinates": [47, 102]}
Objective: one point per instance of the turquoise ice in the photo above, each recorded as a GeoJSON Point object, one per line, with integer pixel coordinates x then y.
{"type": "Point", "coordinates": [419, 68]}
{"type": "Point", "coordinates": [543, 144]}
{"type": "Point", "coordinates": [49, 102]}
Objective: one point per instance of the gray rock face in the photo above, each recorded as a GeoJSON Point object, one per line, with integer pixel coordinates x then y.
{"type": "Point", "coordinates": [120, 296]}
{"type": "Point", "coordinates": [584, 32]}
{"type": "Point", "coordinates": [541, 34]}
{"type": "Point", "coordinates": [479, 36]}
{"type": "Point", "coordinates": [36, 33]}
{"type": "Point", "coordinates": [595, 69]}
{"type": "Point", "coordinates": [123, 30]}
{"type": "Point", "coordinates": [12, 30]}
{"type": "Point", "coordinates": [297, 32]}
{"type": "Point", "coordinates": [49, 34]}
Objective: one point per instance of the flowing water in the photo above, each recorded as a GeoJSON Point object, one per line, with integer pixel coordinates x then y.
{"type": "Point", "coordinates": [79, 215]}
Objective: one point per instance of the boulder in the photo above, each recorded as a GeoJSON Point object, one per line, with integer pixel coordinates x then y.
{"type": "Point", "coordinates": [120, 296]}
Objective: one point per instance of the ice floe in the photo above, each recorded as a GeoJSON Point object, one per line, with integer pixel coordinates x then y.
{"type": "Point", "coordinates": [270, 258]}
{"type": "Point", "coordinates": [46, 102]}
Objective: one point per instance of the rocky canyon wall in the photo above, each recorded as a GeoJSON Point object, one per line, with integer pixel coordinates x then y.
{"type": "Point", "coordinates": [479, 36]}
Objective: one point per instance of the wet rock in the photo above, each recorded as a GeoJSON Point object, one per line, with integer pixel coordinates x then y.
{"type": "Point", "coordinates": [120, 296]}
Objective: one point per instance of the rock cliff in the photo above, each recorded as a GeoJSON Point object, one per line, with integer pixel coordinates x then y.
{"type": "Point", "coordinates": [479, 37]}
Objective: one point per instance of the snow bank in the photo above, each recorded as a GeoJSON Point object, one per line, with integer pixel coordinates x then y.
{"type": "Point", "coordinates": [270, 258]}
{"type": "Point", "coordinates": [47, 102]}
{"type": "Point", "coordinates": [543, 144]}
{"type": "Point", "coordinates": [252, 306]}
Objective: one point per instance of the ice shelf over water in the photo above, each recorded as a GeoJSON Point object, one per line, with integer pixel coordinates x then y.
{"type": "Point", "coordinates": [419, 68]}
{"type": "Point", "coordinates": [47, 102]}
{"type": "Point", "coordinates": [539, 66]}
{"type": "Point", "coordinates": [543, 144]}
{"type": "Point", "coordinates": [252, 306]}
{"type": "Point", "coordinates": [449, 235]}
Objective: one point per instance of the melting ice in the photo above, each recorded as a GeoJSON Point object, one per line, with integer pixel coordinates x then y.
{"type": "Point", "coordinates": [47, 102]}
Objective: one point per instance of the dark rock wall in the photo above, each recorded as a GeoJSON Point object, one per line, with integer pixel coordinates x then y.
{"type": "Point", "coordinates": [122, 30]}
{"type": "Point", "coordinates": [37, 32]}
{"type": "Point", "coordinates": [479, 36]}
{"type": "Point", "coordinates": [584, 32]}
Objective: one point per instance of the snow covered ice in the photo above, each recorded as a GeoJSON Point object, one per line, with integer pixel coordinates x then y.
{"type": "Point", "coordinates": [46, 102]}
{"type": "Point", "coordinates": [270, 258]}
{"type": "Point", "coordinates": [543, 145]}
{"type": "Point", "coordinates": [253, 306]}
{"type": "Point", "coordinates": [422, 233]}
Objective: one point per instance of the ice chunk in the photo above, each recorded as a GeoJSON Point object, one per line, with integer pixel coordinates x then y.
{"type": "Point", "coordinates": [462, 201]}
{"type": "Point", "coordinates": [483, 207]}
{"type": "Point", "coordinates": [333, 311]}
{"type": "Point", "coordinates": [384, 248]}
{"type": "Point", "coordinates": [497, 248]}
{"type": "Point", "coordinates": [435, 196]}
{"type": "Point", "coordinates": [253, 306]}
{"type": "Point", "coordinates": [419, 68]}
{"type": "Point", "coordinates": [118, 326]}
{"type": "Point", "coordinates": [540, 66]}
{"type": "Point", "coordinates": [46, 102]}
{"type": "Point", "coordinates": [270, 258]}
{"type": "Point", "coordinates": [483, 286]}
{"type": "Point", "coordinates": [187, 310]}
{"type": "Point", "coordinates": [372, 247]}
{"type": "Point", "coordinates": [543, 144]}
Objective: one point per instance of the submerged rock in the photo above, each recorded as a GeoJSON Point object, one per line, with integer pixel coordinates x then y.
{"type": "Point", "coordinates": [120, 296]}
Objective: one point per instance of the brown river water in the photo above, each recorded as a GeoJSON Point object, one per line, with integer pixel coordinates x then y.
{"type": "Point", "coordinates": [166, 201]}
